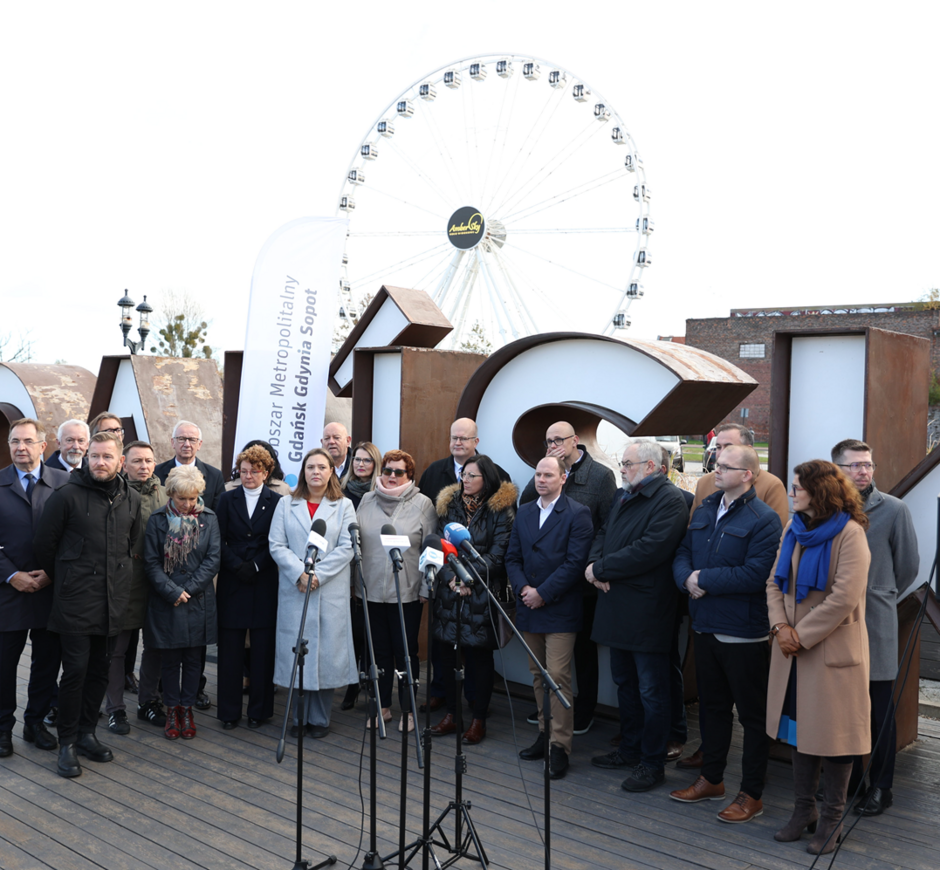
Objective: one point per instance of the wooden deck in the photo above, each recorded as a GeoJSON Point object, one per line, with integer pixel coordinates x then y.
{"type": "Point", "coordinates": [221, 801]}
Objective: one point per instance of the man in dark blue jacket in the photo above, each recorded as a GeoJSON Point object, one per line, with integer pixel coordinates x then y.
{"type": "Point", "coordinates": [545, 563]}
{"type": "Point", "coordinates": [723, 565]}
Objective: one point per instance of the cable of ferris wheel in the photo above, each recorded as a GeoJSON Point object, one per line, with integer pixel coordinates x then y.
{"type": "Point", "coordinates": [515, 294]}
{"type": "Point", "coordinates": [411, 260]}
{"type": "Point", "coordinates": [563, 196]}
{"type": "Point", "coordinates": [440, 292]}
{"type": "Point", "coordinates": [423, 177]}
{"type": "Point", "coordinates": [438, 216]}
{"type": "Point", "coordinates": [496, 303]}
{"type": "Point", "coordinates": [557, 265]}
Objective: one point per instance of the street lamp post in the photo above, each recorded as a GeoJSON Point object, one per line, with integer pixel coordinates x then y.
{"type": "Point", "coordinates": [145, 309]}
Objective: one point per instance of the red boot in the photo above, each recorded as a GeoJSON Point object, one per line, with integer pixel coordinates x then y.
{"type": "Point", "coordinates": [187, 723]}
{"type": "Point", "coordinates": [172, 728]}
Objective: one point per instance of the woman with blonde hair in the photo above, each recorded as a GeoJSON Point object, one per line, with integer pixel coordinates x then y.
{"type": "Point", "coordinates": [817, 697]}
{"type": "Point", "coordinates": [330, 663]}
{"type": "Point", "coordinates": [362, 473]}
{"type": "Point", "coordinates": [182, 554]}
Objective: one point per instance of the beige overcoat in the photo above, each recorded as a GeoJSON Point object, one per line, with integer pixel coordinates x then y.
{"type": "Point", "coordinates": [833, 710]}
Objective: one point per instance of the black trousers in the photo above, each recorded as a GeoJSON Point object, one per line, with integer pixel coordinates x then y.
{"type": "Point", "coordinates": [478, 662]}
{"type": "Point", "coordinates": [734, 675]}
{"type": "Point", "coordinates": [232, 669]}
{"type": "Point", "coordinates": [390, 646]}
{"type": "Point", "coordinates": [181, 669]}
{"type": "Point", "coordinates": [43, 670]}
{"type": "Point", "coordinates": [678, 725]}
{"type": "Point", "coordinates": [86, 659]}
{"type": "Point", "coordinates": [585, 664]}
{"type": "Point", "coordinates": [883, 754]}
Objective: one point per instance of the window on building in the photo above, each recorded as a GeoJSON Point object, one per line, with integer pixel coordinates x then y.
{"type": "Point", "coordinates": [751, 351]}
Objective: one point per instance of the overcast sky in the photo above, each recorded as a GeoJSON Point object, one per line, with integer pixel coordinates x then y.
{"type": "Point", "coordinates": [792, 149]}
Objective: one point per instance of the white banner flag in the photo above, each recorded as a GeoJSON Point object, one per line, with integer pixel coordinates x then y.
{"type": "Point", "coordinates": [291, 314]}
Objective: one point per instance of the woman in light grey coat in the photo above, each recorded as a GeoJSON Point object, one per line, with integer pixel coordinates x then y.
{"type": "Point", "coordinates": [330, 661]}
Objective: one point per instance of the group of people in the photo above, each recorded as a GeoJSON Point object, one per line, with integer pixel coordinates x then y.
{"type": "Point", "coordinates": [793, 621]}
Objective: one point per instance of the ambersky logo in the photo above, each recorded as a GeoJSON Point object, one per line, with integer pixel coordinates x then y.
{"type": "Point", "coordinates": [466, 227]}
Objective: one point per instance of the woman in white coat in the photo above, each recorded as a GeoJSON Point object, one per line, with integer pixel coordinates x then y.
{"type": "Point", "coordinates": [330, 661]}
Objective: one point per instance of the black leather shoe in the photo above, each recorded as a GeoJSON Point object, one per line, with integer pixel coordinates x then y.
{"type": "Point", "coordinates": [68, 761]}
{"type": "Point", "coordinates": [352, 694]}
{"type": "Point", "coordinates": [535, 751]}
{"type": "Point", "coordinates": [39, 735]}
{"type": "Point", "coordinates": [874, 802]}
{"type": "Point", "coordinates": [92, 748]}
{"type": "Point", "coordinates": [229, 726]}
{"type": "Point", "coordinates": [202, 701]}
{"type": "Point", "coordinates": [557, 763]}
{"type": "Point", "coordinates": [6, 743]}
{"type": "Point", "coordinates": [255, 723]}
{"type": "Point", "coordinates": [317, 731]}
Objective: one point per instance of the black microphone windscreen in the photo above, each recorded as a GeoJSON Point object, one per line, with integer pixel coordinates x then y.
{"type": "Point", "coordinates": [388, 529]}
{"type": "Point", "coordinates": [432, 542]}
{"type": "Point", "coordinates": [318, 527]}
{"type": "Point", "coordinates": [353, 527]}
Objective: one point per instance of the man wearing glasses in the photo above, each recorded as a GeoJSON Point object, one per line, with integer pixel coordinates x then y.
{"type": "Point", "coordinates": [336, 441]}
{"type": "Point", "coordinates": [593, 485]}
{"type": "Point", "coordinates": [722, 565]}
{"type": "Point", "coordinates": [437, 476]}
{"type": "Point", "coordinates": [186, 440]}
{"type": "Point", "coordinates": [71, 440]}
{"type": "Point", "coordinates": [894, 566]}
{"type": "Point", "coordinates": [25, 589]}
{"type": "Point", "coordinates": [631, 566]}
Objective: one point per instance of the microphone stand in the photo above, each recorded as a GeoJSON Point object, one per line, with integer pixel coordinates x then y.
{"type": "Point", "coordinates": [297, 673]}
{"type": "Point", "coordinates": [373, 860]}
{"type": "Point", "coordinates": [548, 686]}
{"type": "Point", "coordinates": [460, 807]}
{"type": "Point", "coordinates": [410, 703]}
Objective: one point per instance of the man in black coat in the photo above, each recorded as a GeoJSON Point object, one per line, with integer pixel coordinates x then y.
{"type": "Point", "coordinates": [437, 476]}
{"type": "Point", "coordinates": [631, 564]}
{"type": "Point", "coordinates": [25, 589]}
{"type": "Point", "coordinates": [593, 485]}
{"type": "Point", "coordinates": [186, 440]}
{"type": "Point", "coordinates": [72, 444]}
{"type": "Point", "coordinates": [83, 542]}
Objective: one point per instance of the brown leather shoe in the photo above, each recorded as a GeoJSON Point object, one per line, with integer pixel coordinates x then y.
{"type": "Point", "coordinates": [475, 733]}
{"type": "Point", "coordinates": [742, 809]}
{"type": "Point", "coordinates": [673, 750]}
{"type": "Point", "coordinates": [700, 790]}
{"type": "Point", "coordinates": [435, 704]}
{"type": "Point", "coordinates": [447, 725]}
{"type": "Point", "coordinates": [692, 762]}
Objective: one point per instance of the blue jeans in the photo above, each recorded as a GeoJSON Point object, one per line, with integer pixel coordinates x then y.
{"type": "Point", "coordinates": [643, 691]}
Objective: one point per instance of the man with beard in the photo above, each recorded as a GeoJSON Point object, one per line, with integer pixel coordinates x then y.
{"type": "Point", "coordinates": [72, 442]}
{"type": "Point", "coordinates": [83, 542]}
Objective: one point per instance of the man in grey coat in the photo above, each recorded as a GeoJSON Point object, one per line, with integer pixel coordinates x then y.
{"type": "Point", "coordinates": [894, 566]}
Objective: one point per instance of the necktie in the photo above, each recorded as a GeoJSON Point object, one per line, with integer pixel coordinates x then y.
{"type": "Point", "coordinates": [30, 486]}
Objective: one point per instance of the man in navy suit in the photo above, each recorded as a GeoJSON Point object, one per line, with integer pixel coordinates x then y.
{"type": "Point", "coordinates": [545, 562]}
{"type": "Point", "coordinates": [25, 589]}
{"type": "Point", "coordinates": [71, 440]}
{"type": "Point", "coordinates": [187, 439]}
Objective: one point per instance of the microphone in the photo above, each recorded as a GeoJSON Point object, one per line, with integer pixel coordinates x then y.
{"type": "Point", "coordinates": [394, 544]}
{"type": "Point", "coordinates": [316, 544]}
{"type": "Point", "coordinates": [459, 536]}
{"type": "Point", "coordinates": [354, 537]}
{"type": "Point", "coordinates": [452, 559]}
{"type": "Point", "coordinates": [432, 559]}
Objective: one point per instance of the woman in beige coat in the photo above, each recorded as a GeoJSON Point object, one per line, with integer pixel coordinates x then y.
{"type": "Point", "coordinates": [817, 699]}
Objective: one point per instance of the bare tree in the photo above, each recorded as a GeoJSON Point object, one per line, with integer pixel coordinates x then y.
{"type": "Point", "coordinates": [16, 348]}
{"type": "Point", "coordinates": [181, 325]}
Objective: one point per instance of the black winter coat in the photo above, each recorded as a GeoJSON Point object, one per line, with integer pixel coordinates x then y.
{"type": "Point", "coordinates": [193, 623]}
{"type": "Point", "coordinates": [634, 552]}
{"type": "Point", "coordinates": [83, 542]}
{"type": "Point", "coordinates": [490, 530]}
{"type": "Point", "coordinates": [248, 582]}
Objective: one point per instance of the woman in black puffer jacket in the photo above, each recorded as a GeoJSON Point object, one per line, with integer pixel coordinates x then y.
{"type": "Point", "coordinates": [487, 507]}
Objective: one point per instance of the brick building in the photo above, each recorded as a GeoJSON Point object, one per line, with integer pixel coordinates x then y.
{"type": "Point", "coordinates": [746, 338]}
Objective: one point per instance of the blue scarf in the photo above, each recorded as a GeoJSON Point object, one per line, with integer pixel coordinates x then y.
{"type": "Point", "coordinates": [813, 572]}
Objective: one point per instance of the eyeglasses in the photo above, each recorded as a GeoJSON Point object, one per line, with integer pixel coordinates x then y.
{"type": "Point", "coordinates": [629, 465]}
{"type": "Point", "coordinates": [469, 475]}
{"type": "Point", "coordinates": [182, 439]}
{"type": "Point", "coordinates": [726, 468]}
{"type": "Point", "coordinates": [462, 438]}
{"type": "Point", "coordinates": [795, 489]}
{"type": "Point", "coordinates": [118, 431]}
{"type": "Point", "coordinates": [859, 466]}
{"type": "Point", "coordinates": [253, 472]}
{"type": "Point", "coordinates": [367, 461]}
{"type": "Point", "coordinates": [25, 442]}
{"type": "Point", "coordinates": [557, 442]}
{"type": "Point", "coordinates": [394, 472]}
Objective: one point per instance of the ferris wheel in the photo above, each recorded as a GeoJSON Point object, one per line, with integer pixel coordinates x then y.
{"type": "Point", "coordinates": [510, 191]}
